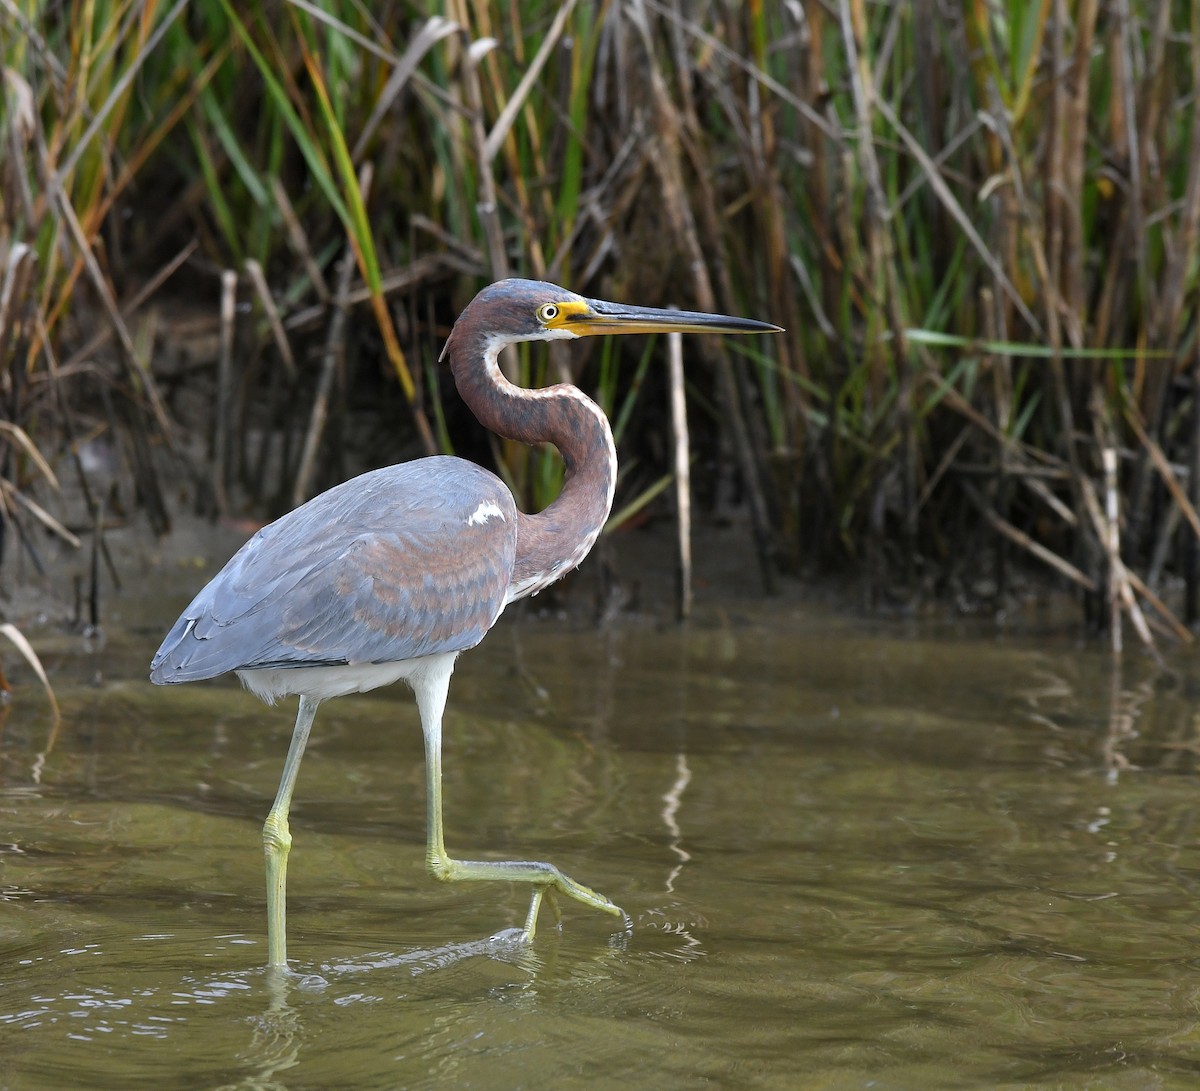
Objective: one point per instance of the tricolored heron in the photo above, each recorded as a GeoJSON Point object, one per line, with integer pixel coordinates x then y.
{"type": "Point", "coordinates": [392, 574]}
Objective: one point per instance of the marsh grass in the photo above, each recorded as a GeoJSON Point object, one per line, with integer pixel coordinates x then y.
{"type": "Point", "coordinates": [977, 221]}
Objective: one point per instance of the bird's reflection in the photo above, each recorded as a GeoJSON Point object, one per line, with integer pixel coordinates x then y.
{"type": "Point", "coordinates": [279, 1033]}
{"type": "Point", "coordinates": [277, 1037]}
{"type": "Point", "coordinates": [508, 945]}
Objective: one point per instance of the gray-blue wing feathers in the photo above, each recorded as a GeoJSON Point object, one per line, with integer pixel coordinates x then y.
{"type": "Point", "coordinates": [402, 562]}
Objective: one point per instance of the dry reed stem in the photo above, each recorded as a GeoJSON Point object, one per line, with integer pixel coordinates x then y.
{"type": "Point", "coordinates": [1120, 590]}
{"type": "Point", "coordinates": [1177, 628]}
{"type": "Point", "coordinates": [224, 407]}
{"type": "Point", "coordinates": [1034, 548]}
{"type": "Point", "coordinates": [140, 378]}
{"type": "Point", "coordinates": [1109, 529]}
{"type": "Point", "coordinates": [488, 206]}
{"type": "Point", "coordinates": [1165, 470]}
{"type": "Point", "coordinates": [263, 291]}
{"type": "Point", "coordinates": [433, 30]}
{"type": "Point", "coordinates": [104, 334]}
{"type": "Point", "coordinates": [299, 241]}
{"type": "Point", "coordinates": [31, 657]}
{"type": "Point", "coordinates": [14, 495]}
{"type": "Point", "coordinates": [15, 295]}
{"type": "Point", "coordinates": [683, 484]}
{"type": "Point", "coordinates": [419, 273]}
{"type": "Point", "coordinates": [503, 124]}
{"type": "Point", "coordinates": [19, 438]}
{"type": "Point", "coordinates": [331, 359]}
{"type": "Point", "coordinates": [1191, 551]}
{"type": "Point", "coordinates": [944, 194]}
{"type": "Point", "coordinates": [1039, 489]}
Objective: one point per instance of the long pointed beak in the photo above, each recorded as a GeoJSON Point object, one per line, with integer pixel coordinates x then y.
{"type": "Point", "coordinates": [601, 317]}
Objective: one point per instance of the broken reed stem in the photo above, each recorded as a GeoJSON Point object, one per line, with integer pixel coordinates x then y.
{"type": "Point", "coordinates": [299, 241]}
{"type": "Point", "coordinates": [487, 207]}
{"type": "Point", "coordinates": [140, 378]}
{"type": "Point", "coordinates": [1034, 548]}
{"type": "Point", "coordinates": [333, 356]}
{"type": "Point", "coordinates": [1112, 544]}
{"type": "Point", "coordinates": [1154, 452]}
{"type": "Point", "coordinates": [1138, 618]}
{"type": "Point", "coordinates": [1106, 524]}
{"type": "Point", "coordinates": [504, 123]}
{"type": "Point", "coordinates": [1191, 555]}
{"type": "Point", "coordinates": [334, 352]}
{"type": "Point", "coordinates": [94, 505]}
{"type": "Point", "coordinates": [103, 334]}
{"type": "Point", "coordinates": [15, 295]}
{"type": "Point", "coordinates": [683, 494]}
{"type": "Point", "coordinates": [259, 280]}
{"type": "Point", "coordinates": [30, 656]}
{"type": "Point", "coordinates": [94, 567]}
{"type": "Point", "coordinates": [1001, 375]}
{"type": "Point", "coordinates": [1178, 629]}
{"type": "Point", "coordinates": [222, 430]}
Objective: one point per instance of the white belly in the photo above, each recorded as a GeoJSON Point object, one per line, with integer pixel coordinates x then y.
{"type": "Point", "coordinates": [271, 683]}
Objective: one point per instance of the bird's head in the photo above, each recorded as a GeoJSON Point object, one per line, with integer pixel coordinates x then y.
{"type": "Point", "coordinates": [533, 310]}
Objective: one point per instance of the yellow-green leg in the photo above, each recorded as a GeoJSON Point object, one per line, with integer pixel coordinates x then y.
{"type": "Point", "coordinates": [431, 692]}
{"type": "Point", "coordinates": [277, 838]}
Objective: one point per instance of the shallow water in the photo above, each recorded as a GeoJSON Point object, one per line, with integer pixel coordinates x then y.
{"type": "Point", "coordinates": [854, 854]}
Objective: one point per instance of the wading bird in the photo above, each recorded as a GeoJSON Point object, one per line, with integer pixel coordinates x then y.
{"type": "Point", "coordinates": [391, 575]}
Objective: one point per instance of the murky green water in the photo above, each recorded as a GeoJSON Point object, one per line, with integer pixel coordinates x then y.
{"type": "Point", "coordinates": [854, 855]}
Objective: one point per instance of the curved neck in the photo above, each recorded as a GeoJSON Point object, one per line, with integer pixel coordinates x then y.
{"type": "Point", "coordinates": [554, 541]}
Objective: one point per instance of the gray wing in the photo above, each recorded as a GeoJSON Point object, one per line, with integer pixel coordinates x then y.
{"type": "Point", "coordinates": [402, 562]}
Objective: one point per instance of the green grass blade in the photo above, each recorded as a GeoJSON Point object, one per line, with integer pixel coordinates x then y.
{"type": "Point", "coordinates": [937, 339]}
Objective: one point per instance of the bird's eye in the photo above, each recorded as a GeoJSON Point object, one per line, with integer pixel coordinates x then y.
{"type": "Point", "coordinates": [547, 312]}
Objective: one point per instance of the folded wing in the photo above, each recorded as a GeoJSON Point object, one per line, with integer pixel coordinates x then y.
{"type": "Point", "coordinates": [402, 562]}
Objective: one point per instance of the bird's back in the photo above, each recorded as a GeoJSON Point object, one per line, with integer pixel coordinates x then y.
{"type": "Point", "coordinates": [407, 561]}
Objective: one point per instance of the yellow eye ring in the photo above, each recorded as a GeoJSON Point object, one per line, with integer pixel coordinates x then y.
{"type": "Point", "coordinates": [547, 312]}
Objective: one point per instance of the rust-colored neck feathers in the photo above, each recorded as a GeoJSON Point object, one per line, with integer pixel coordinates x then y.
{"type": "Point", "coordinates": [554, 541]}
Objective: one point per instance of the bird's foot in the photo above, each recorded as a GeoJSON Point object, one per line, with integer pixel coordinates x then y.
{"type": "Point", "coordinates": [571, 888]}
{"type": "Point", "coordinates": [542, 876]}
